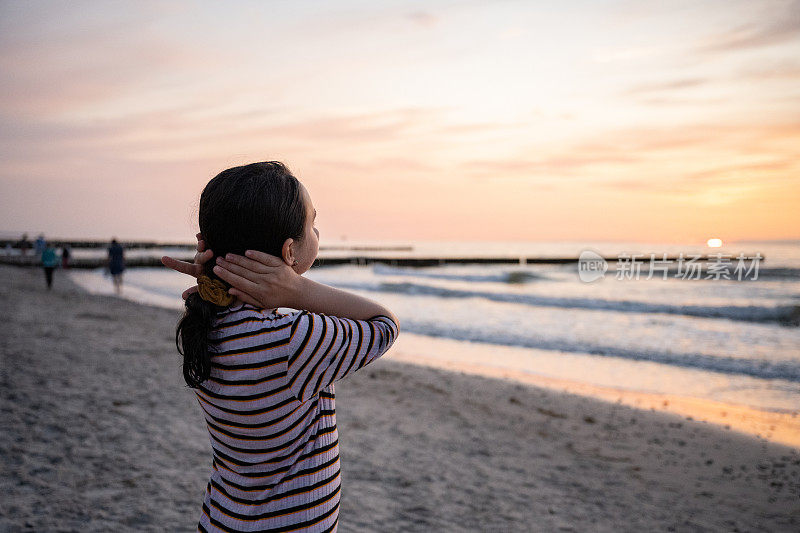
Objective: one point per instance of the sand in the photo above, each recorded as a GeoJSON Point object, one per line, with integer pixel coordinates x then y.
{"type": "Point", "coordinates": [781, 427]}
{"type": "Point", "coordinates": [99, 433]}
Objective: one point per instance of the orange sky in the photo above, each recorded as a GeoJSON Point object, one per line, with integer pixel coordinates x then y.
{"type": "Point", "coordinates": [408, 120]}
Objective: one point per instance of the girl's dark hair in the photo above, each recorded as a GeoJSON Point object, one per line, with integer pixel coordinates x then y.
{"type": "Point", "coordinates": [251, 207]}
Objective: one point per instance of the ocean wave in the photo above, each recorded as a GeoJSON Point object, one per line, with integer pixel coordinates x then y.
{"type": "Point", "coordinates": [788, 315]}
{"type": "Point", "coordinates": [512, 276]}
{"type": "Point", "coordinates": [779, 274]}
{"type": "Point", "coordinates": [758, 368]}
{"type": "Point", "coordinates": [525, 276]}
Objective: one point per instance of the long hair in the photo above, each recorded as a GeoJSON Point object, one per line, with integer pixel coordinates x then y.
{"type": "Point", "coordinates": [251, 207]}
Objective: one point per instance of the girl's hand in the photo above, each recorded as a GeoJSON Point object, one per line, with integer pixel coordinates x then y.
{"type": "Point", "coordinates": [262, 280]}
{"type": "Point", "coordinates": [193, 269]}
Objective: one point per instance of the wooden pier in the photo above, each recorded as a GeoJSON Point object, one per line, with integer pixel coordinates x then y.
{"type": "Point", "coordinates": [92, 263]}
{"type": "Point", "coordinates": [387, 255]}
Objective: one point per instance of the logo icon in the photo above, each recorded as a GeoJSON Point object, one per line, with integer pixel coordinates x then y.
{"type": "Point", "coordinates": [591, 266]}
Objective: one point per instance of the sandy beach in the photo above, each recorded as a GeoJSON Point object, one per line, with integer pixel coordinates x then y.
{"type": "Point", "coordinates": [99, 433]}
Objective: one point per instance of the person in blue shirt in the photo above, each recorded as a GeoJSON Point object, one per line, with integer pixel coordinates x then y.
{"type": "Point", "coordinates": [50, 261]}
{"type": "Point", "coordinates": [116, 264]}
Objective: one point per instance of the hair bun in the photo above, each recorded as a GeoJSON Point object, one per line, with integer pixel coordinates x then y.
{"type": "Point", "coordinates": [214, 291]}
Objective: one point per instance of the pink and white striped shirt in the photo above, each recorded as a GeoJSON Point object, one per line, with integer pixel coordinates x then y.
{"type": "Point", "coordinates": [270, 411]}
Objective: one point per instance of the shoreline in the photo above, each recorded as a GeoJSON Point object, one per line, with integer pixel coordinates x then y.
{"type": "Point", "coordinates": [99, 432]}
{"type": "Point", "coordinates": [773, 426]}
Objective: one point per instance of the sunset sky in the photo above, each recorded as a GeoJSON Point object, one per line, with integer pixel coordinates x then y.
{"type": "Point", "coordinates": [463, 120]}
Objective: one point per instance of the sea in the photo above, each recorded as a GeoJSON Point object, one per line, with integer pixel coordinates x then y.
{"type": "Point", "coordinates": [653, 321]}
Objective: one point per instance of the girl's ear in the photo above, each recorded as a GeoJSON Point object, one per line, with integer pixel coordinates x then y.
{"type": "Point", "coordinates": [287, 254]}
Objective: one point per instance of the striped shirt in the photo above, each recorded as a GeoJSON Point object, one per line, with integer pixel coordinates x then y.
{"type": "Point", "coordinates": [269, 408]}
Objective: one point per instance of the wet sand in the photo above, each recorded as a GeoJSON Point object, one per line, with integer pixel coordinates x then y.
{"type": "Point", "coordinates": [99, 433]}
{"type": "Point", "coordinates": [781, 427]}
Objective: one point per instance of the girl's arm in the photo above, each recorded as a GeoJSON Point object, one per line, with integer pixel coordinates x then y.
{"type": "Point", "coordinates": [319, 298]}
{"type": "Point", "coordinates": [267, 281]}
{"type": "Point", "coordinates": [322, 349]}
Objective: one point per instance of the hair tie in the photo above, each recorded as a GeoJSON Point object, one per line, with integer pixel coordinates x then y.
{"type": "Point", "coordinates": [214, 291]}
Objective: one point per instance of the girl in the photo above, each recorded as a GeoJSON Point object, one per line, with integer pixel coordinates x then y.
{"type": "Point", "coordinates": [264, 379]}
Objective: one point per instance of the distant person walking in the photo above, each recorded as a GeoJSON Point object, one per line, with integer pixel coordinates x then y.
{"type": "Point", "coordinates": [39, 246]}
{"type": "Point", "coordinates": [65, 255]}
{"type": "Point", "coordinates": [49, 263]}
{"type": "Point", "coordinates": [116, 264]}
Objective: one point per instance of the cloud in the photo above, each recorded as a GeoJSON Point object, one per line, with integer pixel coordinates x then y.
{"type": "Point", "coordinates": [735, 171]}
{"type": "Point", "coordinates": [673, 92]}
{"type": "Point", "coordinates": [781, 25]}
{"type": "Point", "coordinates": [658, 101]}
{"type": "Point", "coordinates": [42, 91]}
{"type": "Point", "coordinates": [677, 154]}
{"type": "Point", "coordinates": [780, 170]}
{"type": "Point", "coordinates": [423, 18]}
{"type": "Point", "coordinates": [740, 138]}
{"type": "Point", "coordinates": [626, 53]}
{"type": "Point", "coordinates": [180, 134]}
{"type": "Point", "coordinates": [553, 165]}
{"type": "Point", "coordinates": [672, 85]}
{"type": "Point", "coordinates": [670, 92]}
{"type": "Point", "coordinates": [42, 77]}
{"type": "Point", "coordinates": [374, 168]}
{"type": "Point", "coordinates": [788, 70]}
